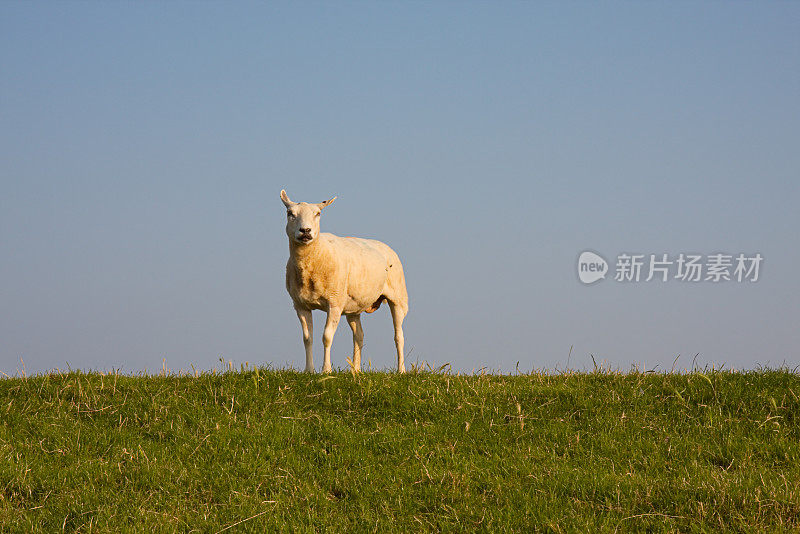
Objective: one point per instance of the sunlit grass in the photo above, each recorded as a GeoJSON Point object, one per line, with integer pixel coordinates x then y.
{"type": "Point", "coordinates": [260, 450]}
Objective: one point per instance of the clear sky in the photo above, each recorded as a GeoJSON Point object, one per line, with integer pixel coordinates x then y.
{"type": "Point", "coordinates": [143, 146]}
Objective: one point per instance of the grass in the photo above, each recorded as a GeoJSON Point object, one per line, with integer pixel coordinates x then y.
{"type": "Point", "coordinates": [261, 450]}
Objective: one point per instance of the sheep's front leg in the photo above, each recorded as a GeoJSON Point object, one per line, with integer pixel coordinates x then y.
{"type": "Point", "coordinates": [354, 320]}
{"type": "Point", "coordinates": [307, 322]}
{"type": "Point", "coordinates": [334, 314]}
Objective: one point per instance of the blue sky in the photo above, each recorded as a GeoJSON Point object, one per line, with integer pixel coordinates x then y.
{"type": "Point", "coordinates": [143, 147]}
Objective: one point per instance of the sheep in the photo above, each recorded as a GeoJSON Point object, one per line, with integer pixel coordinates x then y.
{"type": "Point", "coordinates": [340, 275]}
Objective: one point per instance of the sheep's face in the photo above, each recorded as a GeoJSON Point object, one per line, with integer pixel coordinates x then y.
{"type": "Point", "coordinates": [302, 219]}
{"type": "Point", "coordinates": [302, 222]}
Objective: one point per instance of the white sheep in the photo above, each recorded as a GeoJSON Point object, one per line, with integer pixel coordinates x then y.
{"type": "Point", "coordinates": [340, 275]}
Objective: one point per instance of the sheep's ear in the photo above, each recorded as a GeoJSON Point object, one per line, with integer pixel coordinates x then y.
{"type": "Point", "coordinates": [285, 198]}
{"type": "Point", "coordinates": [326, 203]}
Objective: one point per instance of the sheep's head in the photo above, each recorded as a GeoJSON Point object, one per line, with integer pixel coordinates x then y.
{"type": "Point", "coordinates": [302, 219]}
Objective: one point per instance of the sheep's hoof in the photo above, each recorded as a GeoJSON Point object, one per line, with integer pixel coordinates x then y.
{"type": "Point", "coordinates": [309, 370]}
{"type": "Point", "coordinates": [326, 369]}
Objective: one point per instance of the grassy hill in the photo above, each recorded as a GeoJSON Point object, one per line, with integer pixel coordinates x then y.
{"type": "Point", "coordinates": [260, 450]}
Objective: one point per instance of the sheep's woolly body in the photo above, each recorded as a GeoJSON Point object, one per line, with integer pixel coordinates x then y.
{"type": "Point", "coordinates": [341, 276]}
{"type": "Point", "coordinates": [344, 272]}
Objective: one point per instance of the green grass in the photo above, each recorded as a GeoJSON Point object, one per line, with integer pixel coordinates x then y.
{"type": "Point", "coordinates": [278, 450]}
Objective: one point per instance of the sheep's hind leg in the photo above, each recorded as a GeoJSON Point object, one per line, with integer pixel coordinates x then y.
{"type": "Point", "coordinates": [334, 314]}
{"type": "Point", "coordinates": [307, 323]}
{"type": "Point", "coordinates": [398, 314]}
{"type": "Point", "coordinates": [354, 320]}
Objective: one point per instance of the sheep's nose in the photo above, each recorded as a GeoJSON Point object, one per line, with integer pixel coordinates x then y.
{"type": "Point", "coordinates": [305, 230]}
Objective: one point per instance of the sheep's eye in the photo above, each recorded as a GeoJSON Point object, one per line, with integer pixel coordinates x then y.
{"type": "Point", "coordinates": [290, 214]}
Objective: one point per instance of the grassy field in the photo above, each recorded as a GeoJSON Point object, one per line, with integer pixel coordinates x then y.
{"type": "Point", "coordinates": [260, 450]}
